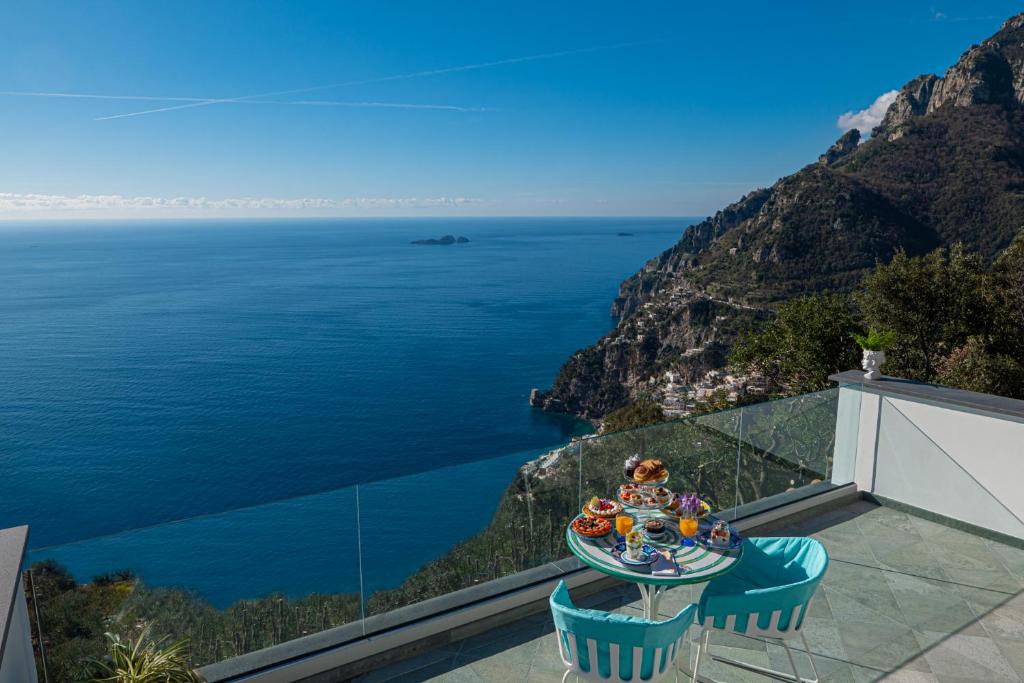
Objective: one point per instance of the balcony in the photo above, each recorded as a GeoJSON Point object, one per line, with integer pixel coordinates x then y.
{"type": "Point", "coordinates": [896, 604]}
{"type": "Point", "coordinates": [913, 489]}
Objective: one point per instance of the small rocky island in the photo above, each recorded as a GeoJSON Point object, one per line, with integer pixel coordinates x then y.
{"type": "Point", "coordinates": [447, 239]}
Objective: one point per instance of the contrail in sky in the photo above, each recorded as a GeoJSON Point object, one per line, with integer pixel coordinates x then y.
{"type": "Point", "coordinates": [85, 96]}
{"type": "Point", "coordinates": [307, 103]}
{"type": "Point", "coordinates": [382, 79]}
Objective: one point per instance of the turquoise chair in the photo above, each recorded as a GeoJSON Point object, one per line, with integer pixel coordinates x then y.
{"type": "Point", "coordinates": [766, 596]}
{"type": "Point", "coordinates": [601, 646]}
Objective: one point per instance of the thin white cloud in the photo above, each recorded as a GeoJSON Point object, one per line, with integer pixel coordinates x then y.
{"type": "Point", "coordinates": [28, 204]}
{"type": "Point", "coordinates": [307, 103]}
{"type": "Point", "coordinates": [938, 16]}
{"type": "Point", "coordinates": [866, 119]}
{"type": "Point", "coordinates": [380, 79]}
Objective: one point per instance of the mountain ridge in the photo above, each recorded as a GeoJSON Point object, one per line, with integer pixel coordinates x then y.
{"type": "Point", "coordinates": [945, 165]}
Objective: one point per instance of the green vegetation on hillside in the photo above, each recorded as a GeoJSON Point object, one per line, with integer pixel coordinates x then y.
{"type": "Point", "coordinates": [810, 338]}
{"type": "Point", "coordinates": [640, 413]}
{"type": "Point", "coordinates": [951, 320]}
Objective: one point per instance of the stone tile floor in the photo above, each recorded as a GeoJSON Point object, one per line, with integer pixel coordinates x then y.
{"type": "Point", "coordinates": [904, 599]}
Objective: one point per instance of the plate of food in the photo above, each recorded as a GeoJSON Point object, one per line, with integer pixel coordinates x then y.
{"type": "Point", "coordinates": [719, 537]}
{"type": "Point", "coordinates": [586, 526]}
{"type": "Point", "coordinates": [682, 503]}
{"type": "Point", "coordinates": [636, 496]}
{"type": "Point", "coordinates": [602, 507]}
{"type": "Point", "coordinates": [651, 472]}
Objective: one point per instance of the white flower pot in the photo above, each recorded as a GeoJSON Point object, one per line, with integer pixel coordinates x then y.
{"type": "Point", "coordinates": [872, 364]}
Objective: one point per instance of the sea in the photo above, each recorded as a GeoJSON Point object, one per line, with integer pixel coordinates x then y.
{"type": "Point", "coordinates": [197, 401]}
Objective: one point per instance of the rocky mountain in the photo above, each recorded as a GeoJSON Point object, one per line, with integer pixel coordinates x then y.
{"type": "Point", "coordinates": [945, 165]}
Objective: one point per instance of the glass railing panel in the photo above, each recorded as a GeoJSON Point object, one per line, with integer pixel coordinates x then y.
{"type": "Point", "coordinates": [243, 580]}
{"type": "Point", "coordinates": [435, 533]}
{"type": "Point", "coordinates": [698, 452]}
{"type": "Point", "coordinates": [788, 446]}
{"type": "Point", "coordinates": [230, 583]}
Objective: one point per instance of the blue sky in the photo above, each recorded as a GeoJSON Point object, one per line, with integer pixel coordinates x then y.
{"type": "Point", "coordinates": [658, 108]}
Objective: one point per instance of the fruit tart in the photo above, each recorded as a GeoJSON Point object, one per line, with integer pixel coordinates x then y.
{"type": "Point", "coordinates": [591, 527]}
{"type": "Point", "coordinates": [602, 507]}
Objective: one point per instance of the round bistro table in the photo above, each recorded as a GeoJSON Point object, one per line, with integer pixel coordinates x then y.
{"type": "Point", "coordinates": [689, 564]}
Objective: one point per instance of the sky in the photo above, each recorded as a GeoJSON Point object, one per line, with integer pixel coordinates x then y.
{"type": "Point", "coordinates": [282, 109]}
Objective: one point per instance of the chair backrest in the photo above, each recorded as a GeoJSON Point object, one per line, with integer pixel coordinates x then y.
{"type": "Point", "coordinates": [770, 589]}
{"type": "Point", "coordinates": [614, 647]}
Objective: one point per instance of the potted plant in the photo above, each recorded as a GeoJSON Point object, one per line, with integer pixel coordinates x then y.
{"type": "Point", "coordinates": [874, 345]}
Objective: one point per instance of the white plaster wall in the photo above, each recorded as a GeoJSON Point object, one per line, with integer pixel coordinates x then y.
{"type": "Point", "coordinates": [949, 460]}
{"type": "Point", "coordinates": [856, 423]}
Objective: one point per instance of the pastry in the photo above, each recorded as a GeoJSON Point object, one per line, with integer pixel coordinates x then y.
{"type": "Point", "coordinates": [663, 495]}
{"type": "Point", "coordinates": [649, 470]}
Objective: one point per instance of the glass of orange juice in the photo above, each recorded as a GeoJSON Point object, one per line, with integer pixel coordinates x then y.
{"type": "Point", "coordinates": [688, 528]}
{"type": "Point", "coordinates": [623, 524]}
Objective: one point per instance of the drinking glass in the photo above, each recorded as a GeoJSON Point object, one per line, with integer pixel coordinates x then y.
{"type": "Point", "coordinates": [623, 524]}
{"type": "Point", "coordinates": [688, 528]}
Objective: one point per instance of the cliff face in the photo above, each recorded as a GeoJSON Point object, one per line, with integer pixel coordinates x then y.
{"type": "Point", "coordinates": [945, 165]}
{"type": "Point", "coordinates": [990, 73]}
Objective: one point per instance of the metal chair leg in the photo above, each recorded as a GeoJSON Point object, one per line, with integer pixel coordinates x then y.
{"type": "Point", "coordinates": [810, 657]}
{"type": "Point", "coordinates": [772, 673]}
{"type": "Point", "coordinates": [792, 662]}
{"type": "Point", "coordinates": [702, 645]}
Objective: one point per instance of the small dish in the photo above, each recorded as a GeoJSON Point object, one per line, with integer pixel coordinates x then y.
{"type": "Point", "coordinates": [703, 537]}
{"type": "Point", "coordinates": [648, 555]}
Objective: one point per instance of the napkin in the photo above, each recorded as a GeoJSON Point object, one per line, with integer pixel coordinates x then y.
{"type": "Point", "coordinates": [663, 567]}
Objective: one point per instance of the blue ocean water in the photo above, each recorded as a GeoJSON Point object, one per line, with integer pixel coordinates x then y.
{"type": "Point", "coordinates": [173, 370]}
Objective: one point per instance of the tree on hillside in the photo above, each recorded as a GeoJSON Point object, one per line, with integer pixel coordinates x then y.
{"type": "Point", "coordinates": [932, 303]}
{"type": "Point", "coordinates": [810, 338]}
{"type": "Point", "coordinates": [954, 323]}
{"type": "Point", "coordinates": [640, 413]}
{"type": "Point", "coordinates": [1005, 296]}
{"type": "Point", "coordinates": [991, 360]}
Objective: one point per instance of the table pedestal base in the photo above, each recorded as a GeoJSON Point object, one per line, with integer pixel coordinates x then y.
{"type": "Point", "coordinates": [651, 596]}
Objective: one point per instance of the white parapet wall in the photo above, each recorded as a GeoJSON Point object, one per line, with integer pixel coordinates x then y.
{"type": "Point", "coordinates": [950, 452]}
{"type": "Point", "coordinates": [17, 662]}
